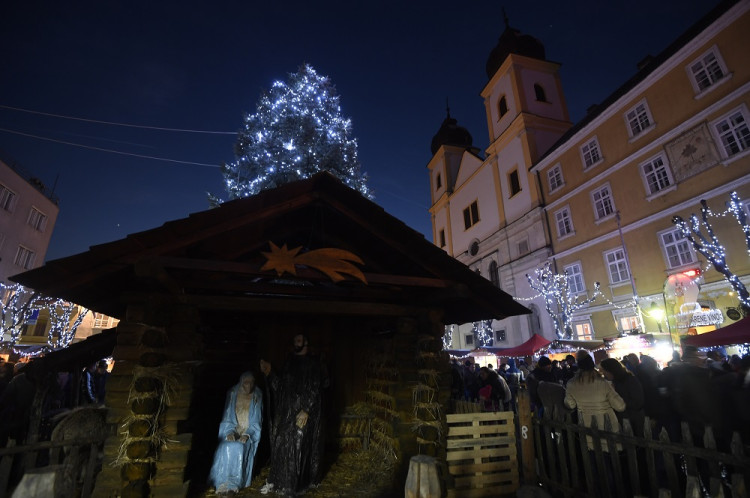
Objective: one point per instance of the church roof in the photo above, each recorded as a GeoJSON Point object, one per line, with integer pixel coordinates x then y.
{"type": "Point", "coordinates": [512, 41]}
{"type": "Point", "coordinates": [450, 133]}
{"type": "Point", "coordinates": [224, 258]}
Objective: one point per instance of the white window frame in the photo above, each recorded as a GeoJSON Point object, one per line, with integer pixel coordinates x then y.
{"type": "Point", "coordinates": [660, 175]}
{"type": "Point", "coordinates": [37, 219]}
{"type": "Point", "coordinates": [638, 119]}
{"type": "Point", "coordinates": [555, 178]}
{"type": "Point", "coordinates": [743, 143]}
{"type": "Point", "coordinates": [24, 258]}
{"type": "Point", "coordinates": [698, 71]}
{"type": "Point", "coordinates": [619, 263]}
{"type": "Point", "coordinates": [585, 324]}
{"type": "Point", "coordinates": [627, 320]}
{"type": "Point", "coordinates": [683, 249]}
{"type": "Point", "coordinates": [564, 222]}
{"type": "Point", "coordinates": [574, 274]}
{"type": "Point", "coordinates": [605, 200]}
{"type": "Point", "coordinates": [7, 198]}
{"type": "Point", "coordinates": [591, 153]}
{"type": "Point", "coordinates": [102, 321]}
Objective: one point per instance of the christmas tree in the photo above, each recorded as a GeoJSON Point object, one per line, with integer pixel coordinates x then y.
{"type": "Point", "coordinates": [296, 131]}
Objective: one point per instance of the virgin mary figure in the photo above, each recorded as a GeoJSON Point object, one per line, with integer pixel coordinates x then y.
{"type": "Point", "coordinates": [239, 434]}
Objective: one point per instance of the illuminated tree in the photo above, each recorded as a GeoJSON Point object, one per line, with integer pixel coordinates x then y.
{"type": "Point", "coordinates": [710, 247]}
{"type": "Point", "coordinates": [561, 303]}
{"type": "Point", "coordinates": [19, 305]}
{"type": "Point", "coordinates": [297, 130]}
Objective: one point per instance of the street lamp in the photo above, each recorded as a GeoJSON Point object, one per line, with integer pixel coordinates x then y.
{"type": "Point", "coordinates": [657, 314]}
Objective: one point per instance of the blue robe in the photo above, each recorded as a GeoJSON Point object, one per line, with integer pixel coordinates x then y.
{"type": "Point", "coordinates": [232, 469]}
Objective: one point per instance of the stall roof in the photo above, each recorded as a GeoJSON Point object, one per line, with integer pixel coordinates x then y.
{"type": "Point", "coordinates": [219, 259]}
{"type": "Point", "coordinates": [736, 333]}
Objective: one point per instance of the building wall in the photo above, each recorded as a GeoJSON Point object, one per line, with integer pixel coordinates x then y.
{"type": "Point", "coordinates": [19, 195]}
{"type": "Point", "coordinates": [683, 135]}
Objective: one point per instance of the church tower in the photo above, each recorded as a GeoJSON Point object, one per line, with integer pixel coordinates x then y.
{"type": "Point", "coordinates": [488, 211]}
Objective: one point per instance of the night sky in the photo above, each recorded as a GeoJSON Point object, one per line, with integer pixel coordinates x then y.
{"type": "Point", "coordinates": [202, 65]}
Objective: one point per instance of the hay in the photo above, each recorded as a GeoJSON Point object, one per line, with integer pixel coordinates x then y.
{"type": "Point", "coordinates": [362, 473]}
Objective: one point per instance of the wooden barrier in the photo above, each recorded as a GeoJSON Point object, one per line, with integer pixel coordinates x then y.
{"type": "Point", "coordinates": [56, 452]}
{"type": "Point", "coordinates": [481, 454]}
{"type": "Point", "coordinates": [646, 465]}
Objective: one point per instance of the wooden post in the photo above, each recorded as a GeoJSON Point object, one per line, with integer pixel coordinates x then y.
{"type": "Point", "coordinates": [525, 432]}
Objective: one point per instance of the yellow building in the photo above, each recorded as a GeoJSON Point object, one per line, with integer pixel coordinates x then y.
{"type": "Point", "coordinates": [674, 134]}
{"type": "Point", "coordinates": [596, 199]}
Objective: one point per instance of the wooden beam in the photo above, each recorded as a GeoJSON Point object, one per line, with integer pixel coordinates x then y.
{"type": "Point", "coordinates": [281, 304]}
{"type": "Point", "coordinates": [302, 273]}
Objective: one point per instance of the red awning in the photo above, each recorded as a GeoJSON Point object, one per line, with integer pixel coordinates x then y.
{"type": "Point", "coordinates": [737, 333]}
{"type": "Point", "coordinates": [528, 348]}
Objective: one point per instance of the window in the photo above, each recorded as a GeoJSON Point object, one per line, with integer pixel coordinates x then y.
{"type": "Point", "coordinates": [677, 248]}
{"type": "Point", "coordinates": [37, 219]}
{"type": "Point", "coordinates": [438, 181]}
{"type": "Point", "coordinates": [617, 266]}
{"type": "Point", "coordinates": [471, 215]}
{"type": "Point", "coordinates": [733, 132]}
{"type": "Point", "coordinates": [539, 93]}
{"type": "Point", "coordinates": [629, 323]}
{"type": "Point", "coordinates": [24, 258]}
{"type": "Point", "coordinates": [603, 203]}
{"type": "Point", "coordinates": [515, 182]}
{"type": "Point", "coordinates": [591, 153]}
{"type": "Point", "coordinates": [638, 118]}
{"type": "Point", "coordinates": [555, 178]}
{"type": "Point", "coordinates": [564, 222]}
{"type": "Point", "coordinates": [494, 275]}
{"type": "Point", "coordinates": [502, 106]}
{"type": "Point", "coordinates": [583, 331]}
{"type": "Point", "coordinates": [656, 175]}
{"type": "Point", "coordinates": [469, 339]}
{"type": "Point", "coordinates": [7, 198]}
{"type": "Point", "coordinates": [575, 278]}
{"type": "Point", "coordinates": [442, 238]}
{"type": "Point", "coordinates": [102, 321]}
{"type": "Point", "coordinates": [523, 247]}
{"type": "Point", "coordinates": [707, 70]}
{"type": "Point", "coordinates": [500, 335]}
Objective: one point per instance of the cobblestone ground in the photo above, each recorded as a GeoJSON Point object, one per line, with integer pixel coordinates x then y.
{"type": "Point", "coordinates": [354, 474]}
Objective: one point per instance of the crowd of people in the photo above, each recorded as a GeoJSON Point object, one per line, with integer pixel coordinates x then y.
{"type": "Point", "coordinates": [19, 382]}
{"type": "Point", "coordinates": [702, 389]}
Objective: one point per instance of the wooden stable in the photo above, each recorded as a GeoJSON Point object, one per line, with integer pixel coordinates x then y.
{"type": "Point", "coordinates": [202, 299]}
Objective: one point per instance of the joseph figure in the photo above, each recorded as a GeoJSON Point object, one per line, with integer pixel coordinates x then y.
{"type": "Point", "coordinates": [297, 440]}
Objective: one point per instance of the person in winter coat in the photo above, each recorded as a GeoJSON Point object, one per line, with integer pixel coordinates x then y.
{"type": "Point", "coordinates": [594, 398]}
{"type": "Point", "coordinates": [494, 390]}
{"type": "Point", "coordinates": [630, 390]}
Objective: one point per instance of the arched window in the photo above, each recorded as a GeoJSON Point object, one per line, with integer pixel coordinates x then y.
{"type": "Point", "coordinates": [502, 106]}
{"type": "Point", "coordinates": [494, 275]}
{"type": "Point", "coordinates": [535, 321]}
{"type": "Point", "coordinates": [539, 91]}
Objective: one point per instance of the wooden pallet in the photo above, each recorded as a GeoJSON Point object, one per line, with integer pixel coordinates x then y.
{"type": "Point", "coordinates": [481, 454]}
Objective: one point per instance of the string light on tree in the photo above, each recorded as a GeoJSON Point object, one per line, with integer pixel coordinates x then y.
{"type": "Point", "coordinates": [64, 325]}
{"type": "Point", "coordinates": [297, 130]}
{"type": "Point", "coordinates": [710, 247]}
{"type": "Point", "coordinates": [19, 305]}
{"type": "Point", "coordinates": [560, 302]}
{"type": "Point", "coordinates": [448, 336]}
{"type": "Point", "coordinates": [482, 331]}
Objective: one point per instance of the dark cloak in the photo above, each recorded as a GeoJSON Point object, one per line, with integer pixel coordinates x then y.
{"type": "Point", "coordinates": [297, 454]}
